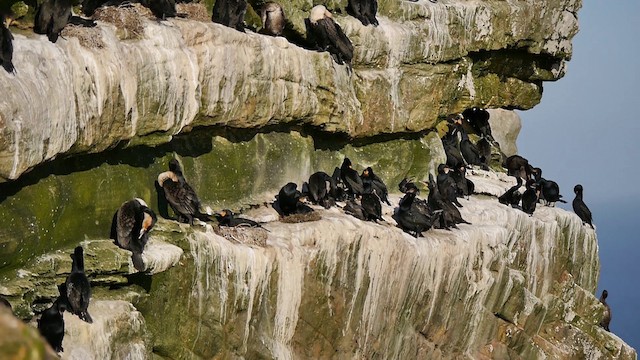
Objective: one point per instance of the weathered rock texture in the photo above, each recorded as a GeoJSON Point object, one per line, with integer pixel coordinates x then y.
{"type": "Point", "coordinates": [423, 62]}
{"type": "Point", "coordinates": [508, 286]}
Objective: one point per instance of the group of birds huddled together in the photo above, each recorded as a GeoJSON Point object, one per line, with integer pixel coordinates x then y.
{"type": "Point", "coordinates": [323, 32]}
{"type": "Point", "coordinates": [360, 195]}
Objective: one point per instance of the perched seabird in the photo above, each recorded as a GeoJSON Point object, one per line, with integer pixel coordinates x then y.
{"type": "Point", "coordinates": [354, 209]}
{"type": "Point", "coordinates": [289, 201]}
{"type": "Point", "coordinates": [327, 35]}
{"type": "Point", "coordinates": [580, 208]}
{"type": "Point", "coordinates": [447, 186]}
{"type": "Point", "coordinates": [516, 165]}
{"type": "Point", "coordinates": [512, 196]}
{"type": "Point", "coordinates": [376, 183]}
{"type": "Point", "coordinates": [465, 186]}
{"type": "Point", "coordinates": [530, 197]}
{"type": "Point", "coordinates": [411, 216]}
{"type": "Point", "coordinates": [470, 152]}
{"type": "Point", "coordinates": [606, 316]}
{"type": "Point", "coordinates": [130, 228]}
{"type": "Point", "coordinates": [478, 119]}
{"type": "Point", "coordinates": [321, 186]}
{"type": "Point", "coordinates": [78, 287]}
{"type": "Point", "coordinates": [230, 13]}
{"type": "Point", "coordinates": [273, 19]}
{"type": "Point", "coordinates": [364, 10]}
{"type": "Point", "coordinates": [450, 215]}
{"type": "Point", "coordinates": [351, 179]}
{"type": "Point", "coordinates": [227, 218]}
{"type": "Point", "coordinates": [53, 15]}
{"type": "Point", "coordinates": [370, 202]}
{"type": "Point", "coordinates": [6, 46]}
{"type": "Point", "coordinates": [180, 195]}
{"type": "Point", "coordinates": [51, 322]}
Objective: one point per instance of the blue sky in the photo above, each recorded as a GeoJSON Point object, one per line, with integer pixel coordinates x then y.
{"type": "Point", "coordinates": [585, 131]}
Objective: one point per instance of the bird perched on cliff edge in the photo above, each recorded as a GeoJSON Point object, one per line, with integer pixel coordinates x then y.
{"type": "Point", "coordinates": [130, 228]}
{"type": "Point", "coordinates": [326, 35]}
{"type": "Point", "coordinates": [606, 316]}
{"type": "Point", "coordinates": [78, 287]}
{"type": "Point", "coordinates": [580, 208]}
{"type": "Point", "coordinates": [180, 195]}
{"type": "Point", "coordinates": [273, 19]}
{"type": "Point", "coordinates": [6, 46]}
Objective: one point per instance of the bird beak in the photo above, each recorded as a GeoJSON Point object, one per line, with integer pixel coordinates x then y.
{"type": "Point", "coordinates": [142, 232]}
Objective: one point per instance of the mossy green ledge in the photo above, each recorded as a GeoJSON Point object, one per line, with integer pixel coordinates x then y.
{"type": "Point", "coordinates": [423, 62]}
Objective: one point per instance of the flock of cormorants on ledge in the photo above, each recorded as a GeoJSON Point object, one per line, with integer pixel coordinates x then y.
{"type": "Point", "coordinates": [359, 195]}
{"type": "Point", "coordinates": [362, 194]}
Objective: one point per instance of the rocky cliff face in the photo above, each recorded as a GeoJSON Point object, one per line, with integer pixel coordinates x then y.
{"type": "Point", "coordinates": [423, 62]}
{"type": "Point", "coordinates": [88, 125]}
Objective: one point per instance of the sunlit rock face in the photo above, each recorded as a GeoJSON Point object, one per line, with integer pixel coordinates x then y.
{"type": "Point", "coordinates": [423, 62]}
{"type": "Point", "coordinates": [507, 285]}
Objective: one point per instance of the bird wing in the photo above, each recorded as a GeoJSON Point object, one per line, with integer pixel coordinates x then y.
{"type": "Point", "coordinates": [335, 37]}
{"type": "Point", "coordinates": [181, 197]}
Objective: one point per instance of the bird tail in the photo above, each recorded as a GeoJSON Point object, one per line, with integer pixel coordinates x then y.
{"type": "Point", "coordinates": [562, 201]}
{"type": "Point", "coordinates": [138, 263]}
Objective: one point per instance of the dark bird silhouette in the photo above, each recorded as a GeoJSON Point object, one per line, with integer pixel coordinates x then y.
{"type": "Point", "coordinates": [450, 215]}
{"type": "Point", "coordinates": [273, 19]}
{"type": "Point", "coordinates": [516, 165]}
{"type": "Point", "coordinates": [412, 216]}
{"type": "Point", "coordinates": [78, 287]}
{"type": "Point", "coordinates": [407, 185]}
{"type": "Point", "coordinates": [227, 218]}
{"type": "Point", "coordinates": [230, 13]}
{"type": "Point", "coordinates": [369, 178]}
{"type": "Point", "coordinates": [354, 209]}
{"type": "Point", "coordinates": [530, 197]}
{"type": "Point", "coordinates": [6, 46]}
{"type": "Point", "coordinates": [321, 186]}
{"type": "Point", "coordinates": [464, 186]}
{"type": "Point", "coordinates": [180, 195]}
{"type": "Point", "coordinates": [370, 202]}
{"type": "Point", "coordinates": [53, 15]}
{"type": "Point", "coordinates": [289, 201]}
{"type": "Point", "coordinates": [447, 185]}
{"type": "Point", "coordinates": [130, 228]}
{"type": "Point", "coordinates": [326, 35]}
{"type": "Point", "coordinates": [484, 149]}
{"type": "Point", "coordinates": [451, 142]}
{"type": "Point", "coordinates": [351, 179]}
{"type": "Point", "coordinates": [161, 9]}
{"type": "Point", "coordinates": [478, 120]}
{"type": "Point", "coordinates": [550, 192]}
{"type": "Point", "coordinates": [580, 208]}
{"type": "Point", "coordinates": [606, 316]}
{"type": "Point", "coordinates": [364, 10]}
{"type": "Point", "coordinates": [51, 322]}
{"type": "Point", "coordinates": [471, 153]}
{"type": "Point", "coordinates": [512, 196]}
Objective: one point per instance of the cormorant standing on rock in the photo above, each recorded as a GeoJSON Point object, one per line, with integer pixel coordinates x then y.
{"type": "Point", "coordinates": [327, 35]}
{"type": "Point", "coordinates": [364, 10]}
{"type": "Point", "coordinates": [530, 197]}
{"type": "Point", "coordinates": [53, 15]}
{"type": "Point", "coordinates": [230, 13]}
{"type": "Point", "coordinates": [51, 322]}
{"type": "Point", "coordinates": [465, 187]}
{"type": "Point", "coordinates": [273, 19]}
{"type": "Point", "coordinates": [447, 185]}
{"type": "Point", "coordinates": [580, 208]}
{"type": "Point", "coordinates": [478, 120]}
{"type": "Point", "coordinates": [180, 195]}
{"type": "Point", "coordinates": [470, 152]}
{"type": "Point", "coordinates": [351, 179]}
{"type": "Point", "coordinates": [78, 287]}
{"type": "Point", "coordinates": [516, 165]}
{"type": "Point", "coordinates": [354, 209]}
{"type": "Point", "coordinates": [410, 216]}
{"type": "Point", "coordinates": [371, 203]}
{"type": "Point", "coordinates": [606, 316]}
{"type": "Point", "coordinates": [130, 228]}
{"type": "Point", "coordinates": [321, 186]}
{"type": "Point", "coordinates": [368, 177]}
{"type": "Point", "coordinates": [512, 196]}
{"type": "Point", "coordinates": [289, 201]}
{"type": "Point", "coordinates": [6, 46]}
